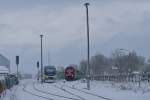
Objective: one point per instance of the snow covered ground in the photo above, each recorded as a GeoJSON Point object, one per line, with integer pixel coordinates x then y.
{"type": "Point", "coordinates": [116, 91]}
{"type": "Point", "coordinates": [76, 90]}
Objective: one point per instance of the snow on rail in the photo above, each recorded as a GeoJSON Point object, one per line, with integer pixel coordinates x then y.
{"type": "Point", "coordinates": [25, 90]}
{"type": "Point", "coordinates": [52, 93]}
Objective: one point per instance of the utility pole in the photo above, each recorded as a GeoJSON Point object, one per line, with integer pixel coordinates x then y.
{"type": "Point", "coordinates": [48, 59]}
{"type": "Point", "coordinates": [88, 47]}
{"type": "Point", "coordinates": [17, 63]}
{"type": "Point", "coordinates": [38, 71]}
{"type": "Point", "coordinates": [41, 36]}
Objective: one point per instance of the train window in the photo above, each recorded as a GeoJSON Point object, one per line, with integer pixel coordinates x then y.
{"type": "Point", "coordinates": [50, 71]}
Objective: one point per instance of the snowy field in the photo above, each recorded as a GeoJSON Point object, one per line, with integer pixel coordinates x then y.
{"type": "Point", "coordinates": [76, 90]}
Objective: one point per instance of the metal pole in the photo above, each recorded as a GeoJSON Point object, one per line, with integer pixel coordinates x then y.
{"type": "Point", "coordinates": [17, 72]}
{"type": "Point", "coordinates": [41, 60]}
{"type": "Point", "coordinates": [88, 47]}
{"type": "Point", "coordinates": [38, 74]}
{"type": "Point", "coordinates": [17, 63]}
{"type": "Point", "coordinates": [38, 71]}
{"type": "Point", "coordinates": [9, 67]}
{"type": "Point", "coordinates": [48, 59]}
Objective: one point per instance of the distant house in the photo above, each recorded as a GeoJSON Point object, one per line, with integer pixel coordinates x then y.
{"type": "Point", "coordinates": [4, 70]}
{"type": "Point", "coordinates": [113, 70]}
{"type": "Point", "coordinates": [4, 62]}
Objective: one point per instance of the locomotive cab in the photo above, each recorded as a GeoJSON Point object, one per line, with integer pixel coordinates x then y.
{"type": "Point", "coordinates": [49, 74]}
{"type": "Point", "coordinates": [70, 73]}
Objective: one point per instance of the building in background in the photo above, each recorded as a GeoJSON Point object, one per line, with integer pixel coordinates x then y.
{"type": "Point", "coordinates": [4, 71]}
{"type": "Point", "coordinates": [4, 62]}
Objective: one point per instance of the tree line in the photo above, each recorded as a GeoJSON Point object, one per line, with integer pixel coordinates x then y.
{"type": "Point", "coordinates": [119, 62]}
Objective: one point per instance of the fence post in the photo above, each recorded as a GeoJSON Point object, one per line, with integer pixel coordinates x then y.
{"type": "Point", "coordinates": [139, 80]}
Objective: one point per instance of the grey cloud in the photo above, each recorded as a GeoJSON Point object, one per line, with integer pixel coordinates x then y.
{"type": "Point", "coordinates": [64, 30]}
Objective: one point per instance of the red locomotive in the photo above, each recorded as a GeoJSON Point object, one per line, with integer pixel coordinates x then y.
{"type": "Point", "coordinates": [70, 73]}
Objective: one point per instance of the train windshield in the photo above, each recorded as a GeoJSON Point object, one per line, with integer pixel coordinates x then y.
{"type": "Point", "coordinates": [50, 71]}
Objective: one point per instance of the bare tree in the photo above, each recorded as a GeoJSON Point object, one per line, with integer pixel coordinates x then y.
{"type": "Point", "coordinates": [121, 61]}
{"type": "Point", "coordinates": [83, 67]}
{"type": "Point", "coordinates": [135, 62]}
{"type": "Point", "coordinates": [99, 63]}
{"type": "Point", "coordinates": [127, 62]}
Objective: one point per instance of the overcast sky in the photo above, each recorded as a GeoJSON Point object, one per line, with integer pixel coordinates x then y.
{"type": "Point", "coordinates": [113, 24]}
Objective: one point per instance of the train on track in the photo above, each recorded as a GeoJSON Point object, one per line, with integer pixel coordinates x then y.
{"type": "Point", "coordinates": [49, 74]}
{"type": "Point", "coordinates": [72, 73]}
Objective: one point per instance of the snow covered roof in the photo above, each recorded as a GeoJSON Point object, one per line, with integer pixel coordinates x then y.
{"type": "Point", "coordinates": [135, 72]}
{"type": "Point", "coordinates": [114, 67]}
{"type": "Point", "coordinates": [2, 78]}
{"type": "Point", "coordinates": [4, 70]}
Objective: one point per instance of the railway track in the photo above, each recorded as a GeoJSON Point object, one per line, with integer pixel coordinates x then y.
{"type": "Point", "coordinates": [55, 94]}
{"type": "Point", "coordinates": [87, 92]}
{"type": "Point", "coordinates": [13, 95]}
{"type": "Point", "coordinates": [40, 96]}
{"type": "Point", "coordinates": [81, 98]}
